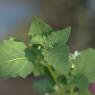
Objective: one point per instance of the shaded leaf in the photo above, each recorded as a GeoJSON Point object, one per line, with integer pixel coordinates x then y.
{"type": "Point", "coordinates": [57, 57]}
{"type": "Point", "coordinates": [81, 82]}
{"type": "Point", "coordinates": [43, 85]}
{"type": "Point", "coordinates": [34, 55]}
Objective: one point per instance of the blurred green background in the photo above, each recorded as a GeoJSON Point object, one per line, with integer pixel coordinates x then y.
{"type": "Point", "coordinates": [16, 17]}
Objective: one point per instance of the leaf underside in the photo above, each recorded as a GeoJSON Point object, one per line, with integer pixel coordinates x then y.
{"type": "Point", "coordinates": [13, 62]}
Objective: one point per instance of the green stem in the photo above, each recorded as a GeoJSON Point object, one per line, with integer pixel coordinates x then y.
{"type": "Point", "coordinates": [53, 75]}
{"type": "Point", "coordinates": [55, 79]}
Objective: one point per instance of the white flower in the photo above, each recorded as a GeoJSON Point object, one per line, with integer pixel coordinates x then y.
{"type": "Point", "coordinates": [56, 87]}
{"type": "Point", "coordinates": [76, 53]}
{"type": "Point", "coordinates": [39, 47]}
{"type": "Point", "coordinates": [73, 66]}
{"type": "Point", "coordinates": [73, 56]}
{"type": "Point", "coordinates": [46, 93]}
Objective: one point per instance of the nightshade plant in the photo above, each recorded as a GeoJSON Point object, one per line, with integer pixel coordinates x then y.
{"type": "Point", "coordinates": [48, 56]}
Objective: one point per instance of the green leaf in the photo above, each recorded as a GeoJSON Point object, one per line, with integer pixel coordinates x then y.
{"type": "Point", "coordinates": [85, 64]}
{"type": "Point", "coordinates": [62, 79]}
{"type": "Point", "coordinates": [38, 40]}
{"type": "Point", "coordinates": [39, 27]}
{"type": "Point", "coordinates": [57, 57]}
{"type": "Point", "coordinates": [81, 82]}
{"type": "Point", "coordinates": [34, 55]}
{"type": "Point", "coordinates": [43, 85]}
{"type": "Point", "coordinates": [85, 92]}
{"type": "Point", "coordinates": [13, 61]}
{"type": "Point", "coordinates": [60, 36]}
{"type": "Point", "coordinates": [73, 93]}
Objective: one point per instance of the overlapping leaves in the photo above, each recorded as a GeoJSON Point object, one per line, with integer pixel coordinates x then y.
{"type": "Point", "coordinates": [55, 50]}
{"type": "Point", "coordinates": [57, 57]}
{"type": "Point", "coordinates": [48, 50]}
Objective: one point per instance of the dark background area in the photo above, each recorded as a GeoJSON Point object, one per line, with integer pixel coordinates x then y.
{"type": "Point", "coordinates": [16, 17]}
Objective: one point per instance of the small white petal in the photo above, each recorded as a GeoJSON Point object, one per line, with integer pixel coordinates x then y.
{"type": "Point", "coordinates": [56, 87]}
{"type": "Point", "coordinates": [73, 66]}
{"type": "Point", "coordinates": [46, 93]}
{"type": "Point", "coordinates": [76, 53]}
{"type": "Point", "coordinates": [39, 47]}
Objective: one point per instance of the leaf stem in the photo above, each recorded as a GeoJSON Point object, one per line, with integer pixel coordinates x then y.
{"type": "Point", "coordinates": [53, 75]}
{"type": "Point", "coordinates": [55, 79]}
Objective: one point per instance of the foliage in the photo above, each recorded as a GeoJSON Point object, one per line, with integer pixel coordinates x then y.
{"type": "Point", "coordinates": [48, 56]}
